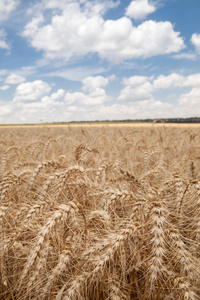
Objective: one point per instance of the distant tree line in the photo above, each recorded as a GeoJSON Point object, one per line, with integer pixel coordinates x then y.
{"type": "Point", "coordinates": [164, 120]}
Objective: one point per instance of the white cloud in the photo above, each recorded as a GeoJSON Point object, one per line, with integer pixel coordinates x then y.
{"type": "Point", "coordinates": [94, 94]}
{"type": "Point", "coordinates": [53, 99]}
{"type": "Point", "coordinates": [77, 73]}
{"type": "Point", "coordinates": [3, 73]}
{"type": "Point", "coordinates": [6, 7]}
{"type": "Point", "coordinates": [189, 104]}
{"type": "Point", "coordinates": [98, 7]}
{"type": "Point", "coordinates": [191, 56]}
{"type": "Point", "coordinates": [83, 100]}
{"type": "Point", "coordinates": [3, 43]}
{"type": "Point", "coordinates": [135, 81]}
{"type": "Point", "coordinates": [191, 98]}
{"type": "Point", "coordinates": [91, 7]}
{"type": "Point", "coordinates": [158, 38]}
{"type": "Point", "coordinates": [5, 110]}
{"type": "Point", "coordinates": [138, 100]}
{"type": "Point", "coordinates": [14, 79]}
{"type": "Point", "coordinates": [196, 41]}
{"type": "Point", "coordinates": [137, 110]}
{"type": "Point", "coordinates": [93, 85]}
{"type": "Point", "coordinates": [76, 32]}
{"type": "Point", "coordinates": [31, 91]}
{"type": "Point", "coordinates": [175, 80]}
{"type": "Point", "coordinates": [167, 82]}
{"type": "Point", "coordinates": [48, 108]}
{"type": "Point", "coordinates": [58, 95]}
{"type": "Point", "coordinates": [72, 108]}
{"type": "Point", "coordinates": [137, 88]}
{"type": "Point", "coordinates": [193, 80]}
{"type": "Point", "coordinates": [141, 89]}
{"type": "Point", "coordinates": [4, 87]}
{"type": "Point", "coordinates": [32, 101]}
{"type": "Point", "coordinates": [139, 9]}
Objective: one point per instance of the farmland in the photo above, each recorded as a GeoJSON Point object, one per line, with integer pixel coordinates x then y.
{"type": "Point", "coordinates": [100, 212]}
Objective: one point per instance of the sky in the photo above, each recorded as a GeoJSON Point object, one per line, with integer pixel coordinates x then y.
{"type": "Point", "coordinates": [87, 60]}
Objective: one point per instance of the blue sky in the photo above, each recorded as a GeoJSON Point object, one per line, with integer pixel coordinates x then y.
{"type": "Point", "coordinates": [64, 60]}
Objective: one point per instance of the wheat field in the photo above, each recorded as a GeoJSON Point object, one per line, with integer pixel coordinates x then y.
{"type": "Point", "coordinates": [100, 212]}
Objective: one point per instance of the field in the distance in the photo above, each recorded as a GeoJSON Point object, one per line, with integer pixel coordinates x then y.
{"type": "Point", "coordinates": [104, 124]}
{"type": "Point", "coordinates": [100, 212]}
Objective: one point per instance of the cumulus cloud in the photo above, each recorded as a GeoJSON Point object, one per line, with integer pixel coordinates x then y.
{"type": "Point", "coordinates": [4, 87]}
{"type": "Point", "coordinates": [143, 89]}
{"type": "Point", "coordinates": [48, 107]}
{"type": "Point", "coordinates": [94, 93]}
{"type": "Point", "coordinates": [167, 82]}
{"type": "Point", "coordinates": [139, 9]}
{"type": "Point", "coordinates": [137, 88]}
{"type": "Point", "coordinates": [139, 93]}
{"type": "Point", "coordinates": [84, 100]}
{"type": "Point", "coordinates": [138, 99]}
{"type": "Point", "coordinates": [99, 7]}
{"type": "Point", "coordinates": [33, 102]}
{"type": "Point", "coordinates": [53, 99]}
{"type": "Point", "coordinates": [193, 80]}
{"type": "Point", "coordinates": [58, 95]}
{"type": "Point", "coordinates": [31, 91]}
{"type": "Point", "coordinates": [6, 7]}
{"type": "Point", "coordinates": [5, 110]}
{"type": "Point", "coordinates": [191, 98]}
{"type": "Point", "coordinates": [135, 81]}
{"type": "Point", "coordinates": [93, 85]}
{"type": "Point", "coordinates": [3, 43]}
{"type": "Point", "coordinates": [136, 110]}
{"type": "Point", "coordinates": [176, 80]}
{"type": "Point", "coordinates": [196, 41]}
{"type": "Point", "coordinates": [14, 79]}
{"type": "Point", "coordinates": [90, 6]}
{"type": "Point", "coordinates": [76, 32]}
{"type": "Point", "coordinates": [189, 104]}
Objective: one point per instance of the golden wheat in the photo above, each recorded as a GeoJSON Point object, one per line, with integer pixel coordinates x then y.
{"type": "Point", "coordinates": [100, 212]}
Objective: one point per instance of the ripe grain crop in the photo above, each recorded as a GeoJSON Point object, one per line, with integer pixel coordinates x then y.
{"type": "Point", "coordinates": [100, 212]}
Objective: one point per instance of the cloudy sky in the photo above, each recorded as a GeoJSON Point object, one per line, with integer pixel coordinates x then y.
{"type": "Point", "coordinates": [77, 60]}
